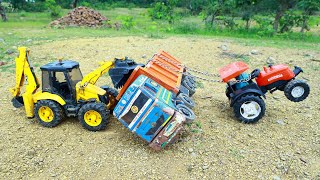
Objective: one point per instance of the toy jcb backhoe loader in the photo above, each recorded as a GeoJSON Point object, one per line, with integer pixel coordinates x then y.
{"type": "Point", "coordinates": [65, 92]}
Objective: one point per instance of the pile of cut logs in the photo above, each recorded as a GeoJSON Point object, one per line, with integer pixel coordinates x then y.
{"type": "Point", "coordinates": [81, 16]}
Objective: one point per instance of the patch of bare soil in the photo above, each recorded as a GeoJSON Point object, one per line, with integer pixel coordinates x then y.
{"type": "Point", "coordinates": [284, 144]}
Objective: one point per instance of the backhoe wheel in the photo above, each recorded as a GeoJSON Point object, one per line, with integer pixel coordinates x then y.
{"type": "Point", "coordinates": [111, 95]}
{"type": "Point", "coordinates": [186, 100]}
{"type": "Point", "coordinates": [94, 116]}
{"type": "Point", "coordinates": [297, 90]}
{"type": "Point", "coordinates": [187, 112]}
{"type": "Point", "coordinates": [48, 113]}
{"type": "Point", "coordinates": [192, 89]}
{"type": "Point", "coordinates": [249, 108]}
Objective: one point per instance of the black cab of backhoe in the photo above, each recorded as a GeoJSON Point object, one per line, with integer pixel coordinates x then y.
{"type": "Point", "coordinates": [61, 78]}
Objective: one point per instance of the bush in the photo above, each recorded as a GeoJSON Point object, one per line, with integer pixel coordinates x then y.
{"type": "Point", "coordinates": [54, 8]}
{"type": "Point", "coordinates": [164, 11]}
{"type": "Point", "coordinates": [127, 21]}
{"type": "Point", "coordinates": [35, 7]}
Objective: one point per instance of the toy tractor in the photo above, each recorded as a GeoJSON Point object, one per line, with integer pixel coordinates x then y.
{"type": "Point", "coordinates": [245, 95]}
{"type": "Point", "coordinates": [65, 92]}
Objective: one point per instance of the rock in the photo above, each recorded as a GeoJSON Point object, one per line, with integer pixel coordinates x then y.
{"type": "Point", "coordinates": [254, 52]}
{"type": "Point", "coordinates": [224, 47]}
{"type": "Point", "coordinates": [29, 41]}
{"type": "Point", "coordinates": [275, 177]}
{"type": "Point", "coordinates": [204, 167]}
{"type": "Point", "coordinates": [9, 51]}
{"type": "Point", "coordinates": [144, 56]}
{"type": "Point", "coordinates": [2, 63]}
{"type": "Point", "coordinates": [80, 16]}
{"type": "Point", "coordinates": [303, 160]}
{"type": "Point", "coordinates": [270, 60]}
{"type": "Point", "coordinates": [281, 122]}
{"type": "Point", "coordinates": [190, 150]}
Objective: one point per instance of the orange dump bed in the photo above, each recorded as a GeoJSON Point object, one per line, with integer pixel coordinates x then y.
{"type": "Point", "coordinates": [163, 69]}
{"type": "Point", "coordinates": [232, 70]}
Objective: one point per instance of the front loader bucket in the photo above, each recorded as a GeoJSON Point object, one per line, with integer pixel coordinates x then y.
{"type": "Point", "coordinates": [17, 102]}
{"type": "Point", "coordinates": [122, 71]}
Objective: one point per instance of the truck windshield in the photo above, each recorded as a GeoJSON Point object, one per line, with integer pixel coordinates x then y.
{"type": "Point", "coordinates": [75, 76]}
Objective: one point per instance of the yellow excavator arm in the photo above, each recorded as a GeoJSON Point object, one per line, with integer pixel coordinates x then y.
{"type": "Point", "coordinates": [24, 71]}
{"type": "Point", "coordinates": [93, 76]}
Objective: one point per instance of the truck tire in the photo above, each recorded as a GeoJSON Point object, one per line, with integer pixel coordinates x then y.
{"type": "Point", "coordinates": [187, 112]}
{"type": "Point", "coordinates": [186, 100]}
{"type": "Point", "coordinates": [48, 113]}
{"type": "Point", "coordinates": [297, 90]}
{"type": "Point", "coordinates": [189, 86]}
{"type": "Point", "coordinates": [249, 108]}
{"type": "Point", "coordinates": [94, 116]}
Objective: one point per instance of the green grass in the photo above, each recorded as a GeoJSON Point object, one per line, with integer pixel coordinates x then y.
{"type": "Point", "coordinates": [24, 26]}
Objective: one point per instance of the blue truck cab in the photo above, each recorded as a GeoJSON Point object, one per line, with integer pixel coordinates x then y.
{"type": "Point", "coordinates": [147, 109]}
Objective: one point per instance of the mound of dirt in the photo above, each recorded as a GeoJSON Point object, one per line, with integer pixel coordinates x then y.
{"type": "Point", "coordinates": [81, 16]}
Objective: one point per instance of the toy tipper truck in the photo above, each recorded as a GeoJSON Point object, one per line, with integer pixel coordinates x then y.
{"type": "Point", "coordinates": [149, 110]}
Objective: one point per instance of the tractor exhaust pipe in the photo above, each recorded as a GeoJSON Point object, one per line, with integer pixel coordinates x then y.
{"type": "Point", "coordinates": [297, 70]}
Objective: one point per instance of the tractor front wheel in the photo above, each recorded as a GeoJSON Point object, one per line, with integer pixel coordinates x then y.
{"type": "Point", "coordinates": [94, 116]}
{"type": "Point", "coordinates": [48, 113]}
{"type": "Point", "coordinates": [249, 108]}
{"type": "Point", "coordinates": [186, 100]}
{"type": "Point", "coordinates": [297, 90]}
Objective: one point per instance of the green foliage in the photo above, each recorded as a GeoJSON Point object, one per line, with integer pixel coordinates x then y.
{"type": "Point", "coordinates": [127, 22]}
{"type": "Point", "coordinates": [54, 8]}
{"type": "Point", "coordinates": [164, 11]}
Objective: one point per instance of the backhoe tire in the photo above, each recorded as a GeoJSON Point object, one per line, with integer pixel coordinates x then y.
{"type": "Point", "coordinates": [94, 116]}
{"type": "Point", "coordinates": [110, 97]}
{"type": "Point", "coordinates": [249, 108]}
{"type": "Point", "coordinates": [297, 90]}
{"type": "Point", "coordinates": [48, 113]}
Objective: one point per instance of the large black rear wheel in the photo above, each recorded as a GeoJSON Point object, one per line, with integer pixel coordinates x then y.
{"type": "Point", "coordinates": [94, 116]}
{"type": "Point", "coordinates": [249, 108]}
{"type": "Point", "coordinates": [48, 113]}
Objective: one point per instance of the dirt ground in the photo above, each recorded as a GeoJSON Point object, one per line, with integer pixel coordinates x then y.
{"type": "Point", "coordinates": [285, 144]}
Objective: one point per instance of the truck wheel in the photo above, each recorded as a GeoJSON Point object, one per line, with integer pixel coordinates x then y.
{"type": "Point", "coordinates": [189, 86]}
{"type": "Point", "coordinates": [94, 116]}
{"type": "Point", "coordinates": [187, 112]}
{"type": "Point", "coordinates": [48, 113]}
{"type": "Point", "coordinates": [186, 100]}
{"type": "Point", "coordinates": [249, 108]}
{"type": "Point", "coordinates": [297, 90]}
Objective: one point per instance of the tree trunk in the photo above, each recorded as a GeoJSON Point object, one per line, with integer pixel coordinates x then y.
{"type": "Point", "coordinates": [3, 13]}
{"type": "Point", "coordinates": [74, 3]}
{"type": "Point", "coordinates": [247, 24]}
{"type": "Point", "coordinates": [276, 21]}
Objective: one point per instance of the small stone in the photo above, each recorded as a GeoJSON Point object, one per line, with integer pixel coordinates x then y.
{"type": "Point", "coordinates": [2, 63]}
{"type": "Point", "coordinates": [281, 122]}
{"type": "Point", "coordinates": [254, 52]}
{"type": "Point", "coordinates": [204, 167]}
{"type": "Point", "coordinates": [270, 60]}
{"type": "Point", "coordinates": [224, 47]}
{"type": "Point", "coordinates": [29, 41]}
{"type": "Point", "coordinates": [276, 178]}
{"type": "Point", "coordinates": [190, 150]}
{"type": "Point", "coordinates": [276, 97]}
{"type": "Point", "coordinates": [303, 160]}
{"type": "Point", "coordinates": [9, 51]}
{"type": "Point", "coordinates": [144, 56]}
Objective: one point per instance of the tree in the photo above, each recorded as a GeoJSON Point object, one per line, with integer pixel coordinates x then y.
{"type": "Point", "coordinates": [283, 6]}
{"type": "Point", "coordinates": [248, 8]}
{"type": "Point", "coordinates": [74, 3]}
{"type": "Point", "coordinates": [3, 12]}
{"type": "Point", "coordinates": [309, 7]}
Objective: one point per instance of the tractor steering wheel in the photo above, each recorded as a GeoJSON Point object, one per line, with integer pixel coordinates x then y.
{"type": "Point", "coordinates": [255, 73]}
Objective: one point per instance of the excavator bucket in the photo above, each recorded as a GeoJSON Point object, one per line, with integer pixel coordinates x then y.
{"type": "Point", "coordinates": [17, 102]}
{"type": "Point", "coordinates": [122, 71]}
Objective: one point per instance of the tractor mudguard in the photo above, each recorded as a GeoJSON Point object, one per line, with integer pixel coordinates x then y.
{"type": "Point", "coordinates": [250, 89]}
{"type": "Point", "coordinates": [48, 96]}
